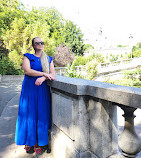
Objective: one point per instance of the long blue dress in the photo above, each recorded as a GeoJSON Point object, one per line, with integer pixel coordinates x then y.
{"type": "Point", "coordinates": [34, 114]}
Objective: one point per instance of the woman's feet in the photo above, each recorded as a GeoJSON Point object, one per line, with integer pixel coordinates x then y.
{"type": "Point", "coordinates": [37, 149]}
{"type": "Point", "coordinates": [29, 150]}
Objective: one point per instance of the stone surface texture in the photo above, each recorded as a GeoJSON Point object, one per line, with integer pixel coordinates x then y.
{"type": "Point", "coordinates": [88, 124]}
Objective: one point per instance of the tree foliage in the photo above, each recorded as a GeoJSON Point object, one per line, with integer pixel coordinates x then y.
{"type": "Point", "coordinates": [18, 26]}
{"type": "Point", "coordinates": [73, 37]}
{"type": "Point", "coordinates": [7, 66]}
{"type": "Point", "coordinates": [136, 51]}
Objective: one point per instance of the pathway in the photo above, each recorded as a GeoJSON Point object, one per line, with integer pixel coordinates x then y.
{"type": "Point", "coordinates": [9, 98]}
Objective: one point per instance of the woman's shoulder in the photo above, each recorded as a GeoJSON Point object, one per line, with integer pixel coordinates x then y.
{"type": "Point", "coordinates": [29, 56]}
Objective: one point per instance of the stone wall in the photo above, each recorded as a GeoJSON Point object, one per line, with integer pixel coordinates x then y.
{"type": "Point", "coordinates": [84, 117]}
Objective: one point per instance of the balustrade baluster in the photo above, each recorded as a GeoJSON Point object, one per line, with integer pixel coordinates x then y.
{"type": "Point", "coordinates": [60, 72]}
{"type": "Point", "coordinates": [129, 142]}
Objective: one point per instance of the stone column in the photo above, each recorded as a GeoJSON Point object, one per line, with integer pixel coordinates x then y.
{"type": "Point", "coordinates": [129, 142]}
{"type": "Point", "coordinates": [103, 128]}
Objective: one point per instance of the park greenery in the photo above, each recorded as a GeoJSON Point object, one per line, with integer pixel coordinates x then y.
{"type": "Point", "coordinates": [63, 40]}
{"type": "Point", "coordinates": [90, 62]}
{"type": "Point", "coordinates": [18, 26]}
{"type": "Point", "coordinates": [130, 78]}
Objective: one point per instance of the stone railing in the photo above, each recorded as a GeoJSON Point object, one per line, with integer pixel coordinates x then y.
{"type": "Point", "coordinates": [61, 70]}
{"type": "Point", "coordinates": [84, 119]}
{"type": "Point", "coordinates": [119, 65]}
{"type": "Point", "coordinates": [106, 68]}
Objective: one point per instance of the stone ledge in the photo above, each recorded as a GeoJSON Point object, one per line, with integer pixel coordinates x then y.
{"type": "Point", "coordinates": [128, 96]}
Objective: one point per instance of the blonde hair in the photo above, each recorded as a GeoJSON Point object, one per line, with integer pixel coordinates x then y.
{"type": "Point", "coordinates": [44, 62]}
{"type": "Point", "coordinates": [44, 59]}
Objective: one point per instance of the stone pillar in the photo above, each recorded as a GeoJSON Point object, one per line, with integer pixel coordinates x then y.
{"type": "Point", "coordinates": [103, 128]}
{"type": "Point", "coordinates": [129, 142]}
{"type": "Point", "coordinates": [70, 126]}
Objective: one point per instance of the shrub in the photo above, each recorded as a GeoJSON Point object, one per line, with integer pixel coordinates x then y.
{"type": "Point", "coordinates": [137, 84]}
{"type": "Point", "coordinates": [132, 74]}
{"type": "Point", "coordinates": [136, 53]}
{"type": "Point", "coordinates": [71, 72]}
{"type": "Point", "coordinates": [113, 57]}
{"type": "Point", "coordinates": [7, 66]}
{"type": "Point", "coordinates": [131, 79]}
{"type": "Point", "coordinates": [63, 56]}
{"type": "Point", "coordinates": [82, 60]}
{"type": "Point", "coordinates": [91, 69]}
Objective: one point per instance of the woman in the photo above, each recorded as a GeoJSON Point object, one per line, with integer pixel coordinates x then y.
{"type": "Point", "coordinates": [34, 115]}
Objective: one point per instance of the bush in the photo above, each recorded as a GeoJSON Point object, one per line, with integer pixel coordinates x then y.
{"type": "Point", "coordinates": [113, 57]}
{"type": "Point", "coordinates": [99, 58]}
{"type": "Point", "coordinates": [91, 69]}
{"type": "Point", "coordinates": [71, 72]}
{"type": "Point", "coordinates": [137, 84]}
{"type": "Point", "coordinates": [132, 74]}
{"type": "Point", "coordinates": [82, 60]}
{"type": "Point", "coordinates": [7, 66]}
{"type": "Point", "coordinates": [131, 79]}
{"type": "Point", "coordinates": [63, 56]}
{"type": "Point", "coordinates": [136, 53]}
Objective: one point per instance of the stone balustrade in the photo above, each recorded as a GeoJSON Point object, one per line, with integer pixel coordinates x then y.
{"type": "Point", "coordinates": [106, 68]}
{"type": "Point", "coordinates": [126, 64]}
{"type": "Point", "coordinates": [84, 119]}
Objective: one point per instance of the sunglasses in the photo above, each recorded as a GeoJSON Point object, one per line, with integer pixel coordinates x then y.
{"type": "Point", "coordinates": [37, 43]}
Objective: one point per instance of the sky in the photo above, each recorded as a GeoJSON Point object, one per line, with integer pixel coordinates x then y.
{"type": "Point", "coordinates": [118, 19]}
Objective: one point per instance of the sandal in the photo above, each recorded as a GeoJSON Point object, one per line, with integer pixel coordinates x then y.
{"type": "Point", "coordinates": [38, 150]}
{"type": "Point", "coordinates": [27, 148]}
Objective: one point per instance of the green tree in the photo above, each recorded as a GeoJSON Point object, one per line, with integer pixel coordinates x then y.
{"type": "Point", "coordinates": [73, 38]}
{"type": "Point", "coordinates": [19, 26]}
{"type": "Point", "coordinates": [9, 9]}
{"type": "Point", "coordinates": [18, 39]}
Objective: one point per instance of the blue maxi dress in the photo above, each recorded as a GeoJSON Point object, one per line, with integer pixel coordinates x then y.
{"type": "Point", "coordinates": [34, 114]}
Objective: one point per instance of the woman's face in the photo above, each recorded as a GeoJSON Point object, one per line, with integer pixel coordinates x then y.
{"type": "Point", "coordinates": [38, 44]}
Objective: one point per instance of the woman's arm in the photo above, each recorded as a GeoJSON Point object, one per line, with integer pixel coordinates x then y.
{"type": "Point", "coordinates": [49, 76]}
{"type": "Point", "coordinates": [27, 69]}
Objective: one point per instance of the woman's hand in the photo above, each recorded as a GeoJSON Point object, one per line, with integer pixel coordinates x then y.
{"type": "Point", "coordinates": [49, 76]}
{"type": "Point", "coordinates": [39, 81]}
